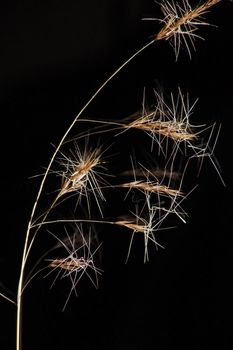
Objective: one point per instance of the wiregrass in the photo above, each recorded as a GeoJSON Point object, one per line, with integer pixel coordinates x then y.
{"type": "Point", "coordinates": [82, 172]}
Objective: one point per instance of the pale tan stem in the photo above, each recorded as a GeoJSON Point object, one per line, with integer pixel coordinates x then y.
{"type": "Point", "coordinates": [27, 245]}
{"type": "Point", "coordinates": [8, 299]}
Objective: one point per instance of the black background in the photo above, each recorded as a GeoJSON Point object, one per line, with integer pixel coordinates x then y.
{"type": "Point", "coordinates": [54, 55]}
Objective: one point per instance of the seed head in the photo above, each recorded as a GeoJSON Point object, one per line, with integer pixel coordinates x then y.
{"type": "Point", "coordinates": [180, 23]}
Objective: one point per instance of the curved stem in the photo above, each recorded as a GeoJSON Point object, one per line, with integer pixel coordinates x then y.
{"type": "Point", "coordinates": [74, 221]}
{"type": "Point", "coordinates": [27, 244]}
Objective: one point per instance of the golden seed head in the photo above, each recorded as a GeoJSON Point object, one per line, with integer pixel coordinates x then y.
{"type": "Point", "coordinates": [152, 187]}
{"type": "Point", "coordinates": [69, 264]}
{"type": "Point", "coordinates": [131, 225]}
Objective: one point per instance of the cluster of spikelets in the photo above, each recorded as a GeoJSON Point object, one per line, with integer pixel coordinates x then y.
{"type": "Point", "coordinates": [181, 22]}
{"type": "Point", "coordinates": [78, 260]}
{"type": "Point", "coordinates": [157, 192]}
{"type": "Point", "coordinates": [156, 188]}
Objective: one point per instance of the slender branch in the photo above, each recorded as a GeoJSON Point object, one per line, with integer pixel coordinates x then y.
{"type": "Point", "coordinates": [27, 245]}
{"type": "Point", "coordinates": [8, 299]}
{"type": "Point", "coordinates": [49, 222]}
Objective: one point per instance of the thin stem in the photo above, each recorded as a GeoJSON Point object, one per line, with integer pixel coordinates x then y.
{"type": "Point", "coordinates": [27, 245]}
{"type": "Point", "coordinates": [8, 299]}
{"type": "Point", "coordinates": [74, 221]}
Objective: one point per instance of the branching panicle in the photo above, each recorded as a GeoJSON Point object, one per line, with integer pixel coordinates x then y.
{"type": "Point", "coordinates": [157, 192]}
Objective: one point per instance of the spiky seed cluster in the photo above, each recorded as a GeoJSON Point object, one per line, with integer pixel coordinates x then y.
{"type": "Point", "coordinates": [71, 264]}
{"type": "Point", "coordinates": [136, 227]}
{"type": "Point", "coordinates": [156, 202]}
{"type": "Point", "coordinates": [79, 259]}
{"type": "Point", "coordinates": [181, 22]}
{"type": "Point", "coordinates": [152, 187]}
{"type": "Point", "coordinates": [168, 120]}
{"type": "Point", "coordinates": [145, 222]}
{"type": "Point", "coordinates": [83, 174]}
{"type": "Point", "coordinates": [171, 129]}
{"type": "Point", "coordinates": [79, 170]}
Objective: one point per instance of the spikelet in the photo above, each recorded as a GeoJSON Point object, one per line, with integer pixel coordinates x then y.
{"type": "Point", "coordinates": [169, 119]}
{"type": "Point", "coordinates": [79, 260]}
{"type": "Point", "coordinates": [153, 187]}
{"type": "Point", "coordinates": [181, 22]}
{"type": "Point", "coordinates": [82, 173]}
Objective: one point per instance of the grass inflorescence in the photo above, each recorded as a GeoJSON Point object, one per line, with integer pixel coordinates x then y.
{"type": "Point", "coordinates": [158, 189]}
